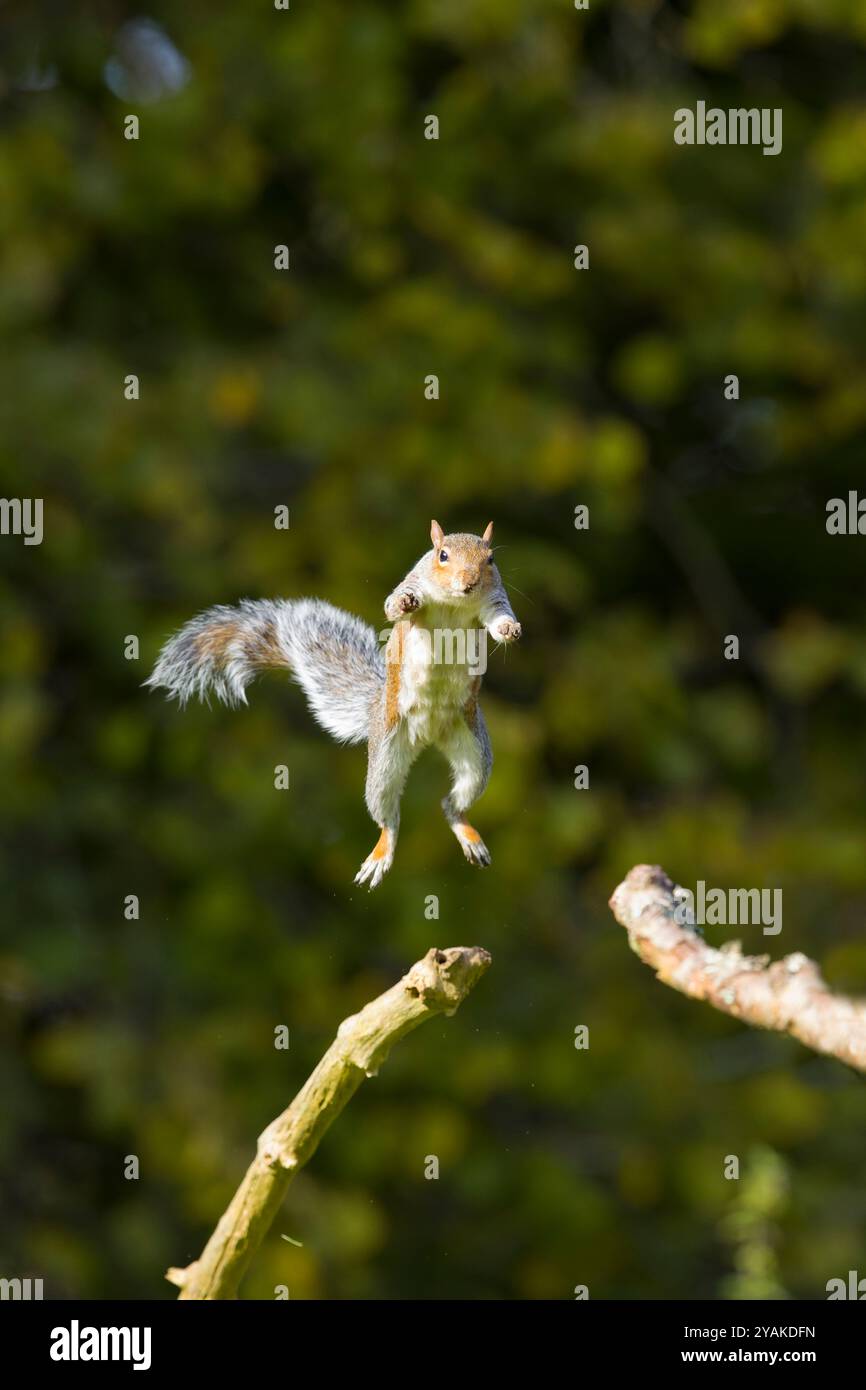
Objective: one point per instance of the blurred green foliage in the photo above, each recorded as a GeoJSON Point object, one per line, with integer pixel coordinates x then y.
{"type": "Point", "coordinates": [558, 387]}
{"type": "Point", "coordinates": [751, 1226]}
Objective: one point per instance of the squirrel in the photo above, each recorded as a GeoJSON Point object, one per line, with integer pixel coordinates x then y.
{"type": "Point", "coordinates": [400, 701]}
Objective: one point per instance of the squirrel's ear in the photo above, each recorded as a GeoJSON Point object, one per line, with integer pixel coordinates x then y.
{"type": "Point", "coordinates": [437, 535]}
{"type": "Point", "coordinates": [488, 534]}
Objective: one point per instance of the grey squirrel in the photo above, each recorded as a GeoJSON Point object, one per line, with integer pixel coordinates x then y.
{"type": "Point", "coordinates": [401, 701]}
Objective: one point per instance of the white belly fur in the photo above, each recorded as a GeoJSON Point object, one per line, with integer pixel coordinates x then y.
{"type": "Point", "coordinates": [434, 692]}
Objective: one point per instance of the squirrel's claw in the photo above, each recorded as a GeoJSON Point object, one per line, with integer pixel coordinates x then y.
{"type": "Point", "coordinates": [378, 861]}
{"type": "Point", "coordinates": [372, 870]}
{"type": "Point", "coordinates": [472, 845]}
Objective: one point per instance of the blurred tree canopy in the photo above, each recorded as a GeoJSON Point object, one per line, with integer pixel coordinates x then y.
{"type": "Point", "coordinates": [558, 388]}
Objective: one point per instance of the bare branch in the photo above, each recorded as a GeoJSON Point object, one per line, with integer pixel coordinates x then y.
{"type": "Point", "coordinates": [437, 984]}
{"type": "Point", "coordinates": [789, 996]}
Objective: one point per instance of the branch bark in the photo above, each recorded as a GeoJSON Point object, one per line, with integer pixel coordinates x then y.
{"type": "Point", "coordinates": [789, 996]}
{"type": "Point", "coordinates": [437, 984]}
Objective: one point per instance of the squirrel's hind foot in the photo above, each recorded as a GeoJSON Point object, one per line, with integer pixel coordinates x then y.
{"type": "Point", "coordinates": [471, 843]}
{"type": "Point", "coordinates": [378, 861]}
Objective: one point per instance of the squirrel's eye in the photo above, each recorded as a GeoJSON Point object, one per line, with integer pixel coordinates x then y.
{"type": "Point", "coordinates": [443, 556]}
{"type": "Point", "coordinates": [490, 559]}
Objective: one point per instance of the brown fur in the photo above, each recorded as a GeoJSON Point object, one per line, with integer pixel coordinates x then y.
{"type": "Point", "coordinates": [393, 670]}
{"type": "Point", "coordinates": [212, 643]}
{"type": "Point", "coordinates": [267, 651]}
{"type": "Point", "coordinates": [261, 648]}
{"type": "Point", "coordinates": [470, 709]}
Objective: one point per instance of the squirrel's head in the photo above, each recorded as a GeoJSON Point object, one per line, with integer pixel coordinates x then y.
{"type": "Point", "coordinates": [461, 564]}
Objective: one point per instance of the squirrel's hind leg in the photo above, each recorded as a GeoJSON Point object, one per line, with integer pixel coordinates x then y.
{"type": "Point", "coordinates": [390, 756]}
{"type": "Point", "coordinates": [467, 749]}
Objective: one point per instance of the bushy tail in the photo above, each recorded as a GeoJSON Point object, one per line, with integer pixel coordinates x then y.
{"type": "Point", "coordinates": [334, 657]}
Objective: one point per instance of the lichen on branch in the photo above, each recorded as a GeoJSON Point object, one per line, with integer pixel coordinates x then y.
{"type": "Point", "coordinates": [787, 996]}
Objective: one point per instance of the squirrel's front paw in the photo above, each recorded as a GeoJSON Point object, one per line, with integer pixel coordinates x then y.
{"type": "Point", "coordinates": [398, 604]}
{"type": "Point", "coordinates": [507, 630]}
